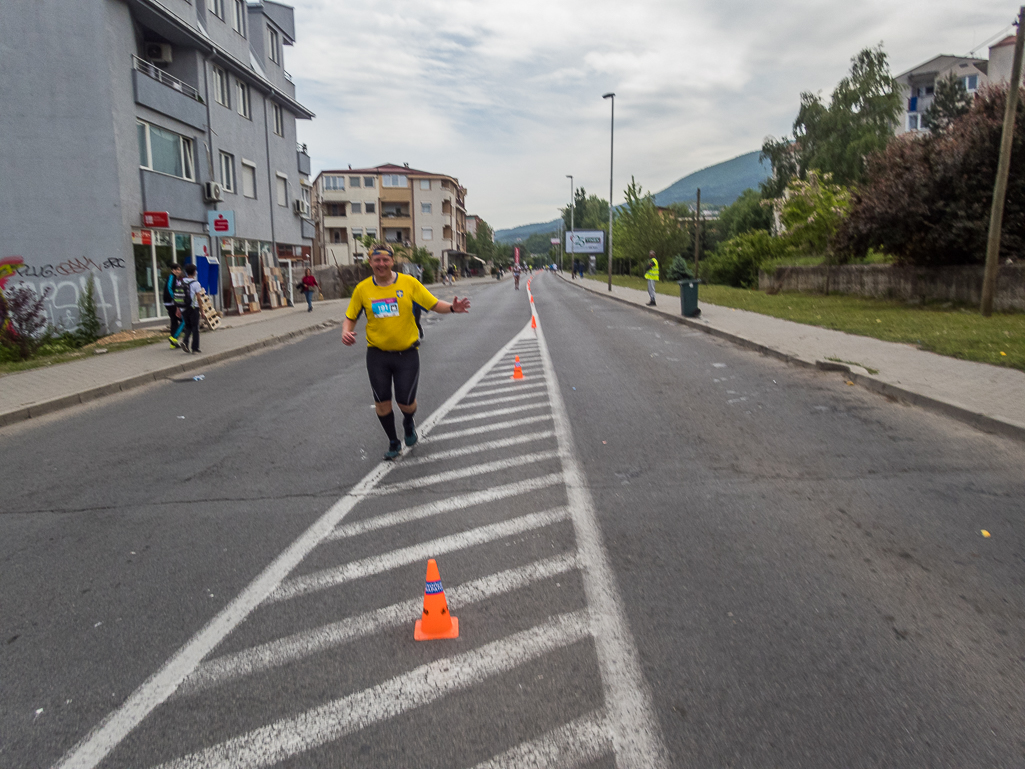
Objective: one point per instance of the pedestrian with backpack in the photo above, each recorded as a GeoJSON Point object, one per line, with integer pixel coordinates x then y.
{"type": "Point", "coordinates": [187, 299]}
{"type": "Point", "coordinates": [177, 321]}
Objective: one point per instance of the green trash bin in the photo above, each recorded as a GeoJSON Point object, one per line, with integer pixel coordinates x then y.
{"type": "Point", "coordinates": [689, 298]}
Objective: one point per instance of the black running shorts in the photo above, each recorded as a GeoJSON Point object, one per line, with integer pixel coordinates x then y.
{"type": "Point", "coordinates": [402, 367]}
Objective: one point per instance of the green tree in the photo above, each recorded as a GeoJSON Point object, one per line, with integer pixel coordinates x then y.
{"type": "Point", "coordinates": [589, 212]}
{"type": "Point", "coordinates": [744, 214]}
{"type": "Point", "coordinates": [812, 213]}
{"type": "Point", "coordinates": [950, 102]}
{"type": "Point", "coordinates": [837, 138]}
{"type": "Point", "coordinates": [89, 324]}
{"type": "Point", "coordinates": [640, 226]}
{"type": "Point", "coordinates": [483, 243]}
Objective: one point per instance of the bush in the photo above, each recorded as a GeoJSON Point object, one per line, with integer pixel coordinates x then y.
{"type": "Point", "coordinates": [89, 326]}
{"type": "Point", "coordinates": [23, 323]}
{"type": "Point", "coordinates": [679, 269]}
{"type": "Point", "coordinates": [737, 261]}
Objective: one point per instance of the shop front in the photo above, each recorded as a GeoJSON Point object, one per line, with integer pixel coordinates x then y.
{"type": "Point", "coordinates": [155, 250]}
{"type": "Point", "coordinates": [256, 277]}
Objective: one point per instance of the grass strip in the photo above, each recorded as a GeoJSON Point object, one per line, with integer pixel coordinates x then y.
{"type": "Point", "coordinates": [40, 361]}
{"type": "Point", "coordinates": [958, 332]}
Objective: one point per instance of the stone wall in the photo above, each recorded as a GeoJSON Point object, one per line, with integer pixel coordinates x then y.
{"type": "Point", "coordinates": [909, 284]}
{"type": "Point", "coordinates": [338, 282]}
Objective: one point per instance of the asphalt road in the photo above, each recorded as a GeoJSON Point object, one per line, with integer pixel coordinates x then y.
{"type": "Point", "coordinates": [662, 550]}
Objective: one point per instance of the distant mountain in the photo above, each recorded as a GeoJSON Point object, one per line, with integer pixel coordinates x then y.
{"type": "Point", "coordinates": [720, 185]}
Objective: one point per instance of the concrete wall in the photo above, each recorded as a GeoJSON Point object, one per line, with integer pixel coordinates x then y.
{"type": "Point", "coordinates": [60, 199]}
{"type": "Point", "coordinates": [909, 284]}
{"type": "Point", "coordinates": [338, 282]}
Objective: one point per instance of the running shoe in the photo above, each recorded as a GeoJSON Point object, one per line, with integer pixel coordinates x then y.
{"type": "Point", "coordinates": [394, 449]}
{"type": "Point", "coordinates": [411, 437]}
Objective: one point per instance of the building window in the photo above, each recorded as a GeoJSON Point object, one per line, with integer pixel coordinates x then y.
{"type": "Point", "coordinates": [354, 181]}
{"type": "Point", "coordinates": [357, 232]}
{"type": "Point", "coordinates": [357, 208]}
{"type": "Point", "coordinates": [272, 45]}
{"type": "Point", "coordinates": [425, 184]}
{"type": "Point", "coordinates": [281, 186]}
{"type": "Point", "coordinates": [221, 87]}
{"type": "Point", "coordinates": [248, 179]}
{"type": "Point", "coordinates": [370, 208]}
{"type": "Point", "coordinates": [165, 152]}
{"type": "Point", "coordinates": [393, 180]}
{"type": "Point", "coordinates": [912, 122]}
{"type": "Point", "coordinates": [217, 8]}
{"type": "Point", "coordinates": [334, 182]}
{"type": "Point", "coordinates": [279, 119]}
{"type": "Point", "coordinates": [971, 83]}
{"type": "Point", "coordinates": [371, 232]}
{"type": "Point", "coordinates": [425, 208]}
{"type": "Point", "coordinates": [228, 171]}
{"type": "Point", "coordinates": [426, 233]}
{"type": "Point", "coordinates": [239, 17]}
{"type": "Point", "coordinates": [368, 181]}
{"type": "Point", "coordinates": [336, 236]}
{"type": "Point", "coordinates": [242, 97]}
{"type": "Point", "coordinates": [336, 209]}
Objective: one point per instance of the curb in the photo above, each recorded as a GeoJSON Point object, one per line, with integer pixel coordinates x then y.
{"type": "Point", "coordinates": [123, 385]}
{"type": "Point", "coordinates": [980, 422]}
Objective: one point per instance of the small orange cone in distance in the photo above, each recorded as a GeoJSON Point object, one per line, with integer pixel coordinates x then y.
{"type": "Point", "coordinates": [517, 371]}
{"type": "Point", "coordinates": [436, 622]}
{"type": "Point", "coordinates": [533, 321]}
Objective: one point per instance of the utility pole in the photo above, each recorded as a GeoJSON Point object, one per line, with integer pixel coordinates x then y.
{"type": "Point", "coordinates": [612, 146]}
{"type": "Point", "coordinates": [996, 216]}
{"type": "Point", "coordinates": [697, 233]}
{"type": "Point", "coordinates": [572, 226]}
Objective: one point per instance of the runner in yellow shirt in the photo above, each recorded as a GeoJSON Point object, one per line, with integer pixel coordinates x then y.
{"type": "Point", "coordinates": [390, 301]}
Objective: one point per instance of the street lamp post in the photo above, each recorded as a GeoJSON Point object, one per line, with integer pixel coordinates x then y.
{"type": "Point", "coordinates": [572, 226]}
{"type": "Point", "coordinates": [612, 139]}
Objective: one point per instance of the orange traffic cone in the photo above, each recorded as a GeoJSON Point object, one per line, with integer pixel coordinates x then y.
{"type": "Point", "coordinates": [533, 321]}
{"type": "Point", "coordinates": [436, 622]}
{"type": "Point", "coordinates": [517, 371]}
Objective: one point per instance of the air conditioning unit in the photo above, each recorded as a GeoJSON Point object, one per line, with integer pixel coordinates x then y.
{"type": "Point", "coordinates": [158, 53]}
{"type": "Point", "coordinates": [212, 192]}
{"type": "Point", "coordinates": [301, 207]}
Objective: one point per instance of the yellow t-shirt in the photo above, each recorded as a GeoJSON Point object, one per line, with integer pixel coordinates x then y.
{"type": "Point", "coordinates": [389, 310]}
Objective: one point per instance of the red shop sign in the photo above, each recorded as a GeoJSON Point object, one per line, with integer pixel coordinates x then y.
{"type": "Point", "coordinates": [156, 219]}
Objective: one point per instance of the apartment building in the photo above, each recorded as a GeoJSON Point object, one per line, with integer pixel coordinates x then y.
{"type": "Point", "coordinates": [392, 203]}
{"type": "Point", "coordinates": [126, 123]}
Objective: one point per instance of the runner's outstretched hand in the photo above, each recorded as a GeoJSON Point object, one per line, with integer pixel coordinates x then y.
{"type": "Point", "coordinates": [348, 338]}
{"type": "Point", "coordinates": [460, 305]}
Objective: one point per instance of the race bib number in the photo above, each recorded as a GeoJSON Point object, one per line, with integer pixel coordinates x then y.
{"type": "Point", "coordinates": [385, 308]}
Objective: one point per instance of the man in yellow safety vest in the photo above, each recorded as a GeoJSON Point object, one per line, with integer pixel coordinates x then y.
{"type": "Point", "coordinates": [651, 276]}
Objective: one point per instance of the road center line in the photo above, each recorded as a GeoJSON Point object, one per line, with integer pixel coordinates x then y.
{"type": "Point", "coordinates": [104, 737]}
{"type": "Point", "coordinates": [467, 472]}
{"type": "Point", "coordinates": [339, 575]}
{"type": "Point", "coordinates": [429, 683]}
{"type": "Point", "coordinates": [310, 642]}
{"type": "Point", "coordinates": [442, 506]}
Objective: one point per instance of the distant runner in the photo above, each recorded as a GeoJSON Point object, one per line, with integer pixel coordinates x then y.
{"type": "Point", "coordinates": [516, 276]}
{"type": "Point", "coordinates": [391, 302]}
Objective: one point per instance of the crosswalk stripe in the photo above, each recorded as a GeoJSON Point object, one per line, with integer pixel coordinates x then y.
{"type": "Point", "coordinates": [493, 401]}
{"type": "Point", "coordinates": [490, 428]}
{"type": "Point", "coordinates": [577, 743]}
{"type": "Point", "coordinates": [421, 686]}
{"type": "Point", "coordinates": [478, 448]}
{"type": "Point", "coordinates": [339, 575]}
{"type": "Point", "coordinates": [495, 413]}
{"type": "Point", "coordinates": [310, 642]}
{"type": "Point", "coordinates": [465, 472]}
{"type": "Point", "coordinates": [518, 387]}
{"type": "Point", "coordinates": [449, 505]}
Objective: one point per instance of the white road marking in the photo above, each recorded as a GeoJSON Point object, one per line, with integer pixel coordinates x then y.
{"type": "Point", "coordinates": [289, 737]}
{"type": "Point", "coordinates": [635, 726]}
{"type": "Point", "coordinates": [466, 472]}
{"type": "Point", "coordinates": [478, 448]}
{"type": "Point", "coordinates": [104, 737]}
{"type": "Point", "coordinates": [577, 743]}
{"type": "Point", "coordinates": [518, 387]}
{"type": "Point", "coordinates": [442, 506]}
{"type": "Point", "coordinates": [493, 401]}
{"type": "Point", "coordinates": [339, 575]}
{"type": "Point", "coordinates": [489, 428]}
{"type": "Point", "coordinates": [496, 413]}
{"type": "Point", "coordinates": [308, 643]}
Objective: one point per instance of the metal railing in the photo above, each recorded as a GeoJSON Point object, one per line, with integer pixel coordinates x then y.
{"type": "Point", "coordinates": [153, 71]}
{"type": "Point", "coordinates": [301, 148]}
{"type": "Point", "coordinates": [288, 76]}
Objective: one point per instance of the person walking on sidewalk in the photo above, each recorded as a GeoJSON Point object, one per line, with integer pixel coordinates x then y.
{"type": "Point", "coordinates": [191, 291]}
{"type": "Point", "coordinates": [177, 321]}
{"type": "Point", "coordinates": [309, 285]}
{"type": "Point", "coordinates": [652, 277]}
{"type": "Point", "coordinates": [390, 301]}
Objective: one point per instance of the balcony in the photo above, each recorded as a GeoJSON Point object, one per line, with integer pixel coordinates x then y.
{"type": "Point", "coordinates": [336, 221]}
{"type": "Point", "coordinates": [303, 158]}
{"type": "Point", "coordinates": [167, 95]}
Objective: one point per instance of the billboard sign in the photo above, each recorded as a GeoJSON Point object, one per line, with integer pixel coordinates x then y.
{"type": "Point", "coordinates": [516, 254]}
{"type": "Point", "coordinates": [221, 223]}
{"type": "Point", "coordinates": [585, 242]}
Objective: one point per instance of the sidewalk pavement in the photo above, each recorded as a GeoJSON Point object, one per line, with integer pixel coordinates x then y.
{"type": "Point", "coordinates": [39, 391]}
{"type": "Point", "coordinates": [987, 397]}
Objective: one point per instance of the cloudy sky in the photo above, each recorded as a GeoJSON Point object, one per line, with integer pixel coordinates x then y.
{"type": "Point", "coordinates": [506, 96]}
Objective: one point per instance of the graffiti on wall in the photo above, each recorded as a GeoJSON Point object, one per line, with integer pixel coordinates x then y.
{"type": "Point", "coordinates": [67, 282]}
